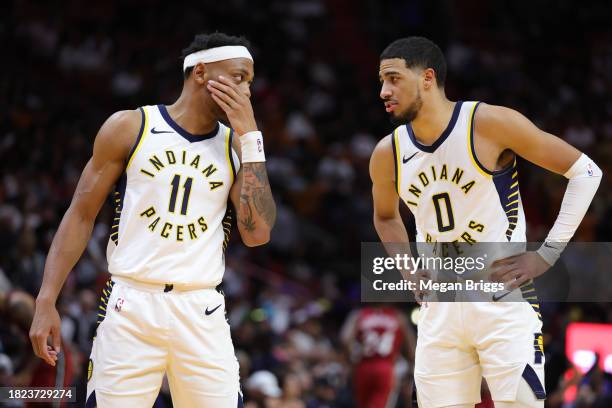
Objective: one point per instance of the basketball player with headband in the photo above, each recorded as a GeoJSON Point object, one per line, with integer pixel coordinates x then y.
{"type": "Point", "coordinates": [181, 177]}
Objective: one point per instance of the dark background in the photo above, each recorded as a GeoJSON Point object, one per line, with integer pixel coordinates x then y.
{"type": "Point", "coordinates": [66, 66]}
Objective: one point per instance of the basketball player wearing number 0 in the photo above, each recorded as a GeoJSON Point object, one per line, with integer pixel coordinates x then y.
{"type": "Point", "coordinates": [454, 165]}
{"type": "Point", "coordinates": [179, 175]}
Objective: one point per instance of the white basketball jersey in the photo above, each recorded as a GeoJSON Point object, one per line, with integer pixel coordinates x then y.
{"type": "Point", "coordinates": [172, 219]}
{"type": "Point", "coordinates": [452, 196]}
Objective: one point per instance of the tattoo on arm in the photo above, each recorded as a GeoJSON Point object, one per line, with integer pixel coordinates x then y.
{"type": "Point", "coordinates": [256, 197]}
{"type": "Point", "coordinates": [247, 220]}
{"type": "Point", "coordinates": [262, 205]}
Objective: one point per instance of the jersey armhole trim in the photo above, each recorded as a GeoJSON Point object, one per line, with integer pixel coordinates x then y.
{"type": "Point", "coordinates": [140, 138]}
{"type": "Point", "coordinates": [228, 151]}
{"type": "Point", "coordinates": [472, 150]}
{"type": "Point", "coordinates": [396, 160]}
{"type": "Point", "coordinates": [481, 169]}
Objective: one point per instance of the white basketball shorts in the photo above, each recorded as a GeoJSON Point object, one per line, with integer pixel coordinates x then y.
{"type": "Point", "coordinates": [459, 343]}
{"type": "Point", "coordinates": [146, 331]}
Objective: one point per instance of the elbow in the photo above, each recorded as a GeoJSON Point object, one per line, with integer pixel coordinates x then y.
{"type": "Point", "coordinates": [380, 221]}
{"type": "Point", "coordinates": [595, 171]}
{"type": "Point", "coordinates": [80, 214]}
{"type": "Point", "coordinates": [256, 238]}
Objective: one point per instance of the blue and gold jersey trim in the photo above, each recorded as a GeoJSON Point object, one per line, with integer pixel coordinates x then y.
{"type": "Point", "coordinates": [228, 217]}
{"type": "Point", "coordinates": [445, 134]}
{"type": "Point", "coordinates": [229, 134]}
{"type": "Point", "coordinates": [538, 347]}
{"type": "Point", "coordinates": [190, 137]}
{"type": "Point", "coordinates": [472, 150]}
{"type": "Point", "coordinates": [528, 291]}
{"type": "Point", "coordinates": [227, 223]}
{"type": "Point", "coordinates": [143, 127]}
{"type": "Point", "coordinates": [481, 169]}
{"type": "Point", "coordinates": [118, 197]}
{"type": "Point", "coordinates": [506, 183]}
{"type": "Point", "coordinates": [396, 159]}
{"type": "Point", "coordinates": [103, 306]}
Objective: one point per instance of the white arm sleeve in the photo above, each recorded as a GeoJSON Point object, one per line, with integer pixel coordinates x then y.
{"type": "Point", "coordinates": [584, 177]}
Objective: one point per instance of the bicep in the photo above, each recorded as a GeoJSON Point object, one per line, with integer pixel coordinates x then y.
{"type": "Point", "coordinates": [386, 200]}
{"type": "Point", "coordinates": [106, 165]}
{"type": "Point", "coordinates": [386, 203]}
{"type": "Point", "coordinates": [519, 134]}
{"type": "Point", "coordinates": [94, 185]}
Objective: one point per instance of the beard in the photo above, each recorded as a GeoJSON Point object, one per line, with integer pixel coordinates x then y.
{"type": "Point", "coordinates": [409, 114]}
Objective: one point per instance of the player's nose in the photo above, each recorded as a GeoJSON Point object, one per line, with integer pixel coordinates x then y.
{"type": "Point", "coordinates": [385, 92]}
{"type": "Point", "coordinates": [246, 88]}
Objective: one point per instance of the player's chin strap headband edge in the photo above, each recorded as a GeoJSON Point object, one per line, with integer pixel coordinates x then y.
{"type": "Point", "coordinates": [216, 54]}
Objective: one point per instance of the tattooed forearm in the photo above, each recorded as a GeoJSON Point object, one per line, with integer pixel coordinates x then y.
{"type": "Point", "coordinates": [246, 217]}
{"type": "Point", "coordinates": [256, 201]}
{"type": "Point", "coordinates": [263, 207]}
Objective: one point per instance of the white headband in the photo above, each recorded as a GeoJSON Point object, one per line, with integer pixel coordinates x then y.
{"type": "Point", "coordinates": [216, 54]}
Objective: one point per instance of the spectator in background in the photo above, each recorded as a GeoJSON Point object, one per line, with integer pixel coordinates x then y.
{"type": "Point", "coordinates": [292, 392]}
{"type": "Point", "coordinates": [263, 390]}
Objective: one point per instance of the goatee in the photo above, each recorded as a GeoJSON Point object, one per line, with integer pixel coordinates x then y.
{"type": "Point", "coordinates": [409, 114]}
{"type": "Point", "coordinates": [404, 117]}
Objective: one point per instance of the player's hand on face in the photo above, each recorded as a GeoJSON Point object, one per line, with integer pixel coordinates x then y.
{"type": "Point", "coordinates": [46, 323]}
{"type": "Point", "coordinates": [235, 102]}
{"type": "Point", "coordinates": [518, 269]}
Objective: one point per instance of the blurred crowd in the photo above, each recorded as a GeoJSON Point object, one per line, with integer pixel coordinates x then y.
{"type": "Point", "coordinates": [68, 67]}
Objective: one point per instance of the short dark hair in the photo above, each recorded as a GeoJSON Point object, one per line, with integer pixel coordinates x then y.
{"type": "Point", "coordinates": [205, 41]}
{"type": "Point", "coordinates": [418, 52]}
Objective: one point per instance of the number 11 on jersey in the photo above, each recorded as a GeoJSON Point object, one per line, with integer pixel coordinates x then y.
{"type": "Point", "coordinates": [176, 181]}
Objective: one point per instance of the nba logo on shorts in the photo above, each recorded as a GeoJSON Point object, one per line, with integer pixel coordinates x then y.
{"type": "Point", "coordinates": [119, 304]}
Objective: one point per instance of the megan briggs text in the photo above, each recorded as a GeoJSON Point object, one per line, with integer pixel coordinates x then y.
{"type": "Point", "coordinates": [428, 284]}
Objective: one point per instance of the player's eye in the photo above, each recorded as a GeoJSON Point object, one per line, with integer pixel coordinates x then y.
{"type": "Point", "coordinates": [239, 77]}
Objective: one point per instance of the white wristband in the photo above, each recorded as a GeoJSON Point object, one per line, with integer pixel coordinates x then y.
{"type": "Point", "coordinates": [252, 147]}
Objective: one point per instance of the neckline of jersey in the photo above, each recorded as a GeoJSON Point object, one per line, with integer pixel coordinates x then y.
{"type": "Point", "coordinates": [449, 128]}
{"type": "Point", "coordinates": [185, 134]}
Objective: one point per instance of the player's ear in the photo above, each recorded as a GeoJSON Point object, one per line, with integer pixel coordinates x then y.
{"type": "Point", "coordinates": [199, 73]}
{"type": "Point", "coordinates": [429, 78]}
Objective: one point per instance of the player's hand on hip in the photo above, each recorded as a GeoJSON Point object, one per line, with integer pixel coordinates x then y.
{"type": "Point", "coordinates": [46, 323]}
{"type": "Point", "coordinates": [235, 102]}
{"type": "Point", "coordinates": [421, 275]}
{"type": "Point", "coordinates": [518, 269]}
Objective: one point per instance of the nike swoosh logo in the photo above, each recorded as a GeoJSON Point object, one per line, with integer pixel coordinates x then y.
{"type": "Point", "coordinates": [156, 132]}
{"type": "Point", "coordinates": [405, 160]}
{"type": "Point", "coordinates": [547, 245]}
{"type": "Point", "coordinates": [497, 298]}
{"type": "Point", "coordinates": [209, 312]}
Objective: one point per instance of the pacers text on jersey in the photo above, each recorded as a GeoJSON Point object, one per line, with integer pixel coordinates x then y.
{"type": "Point", "coordinates": [166, 229]}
